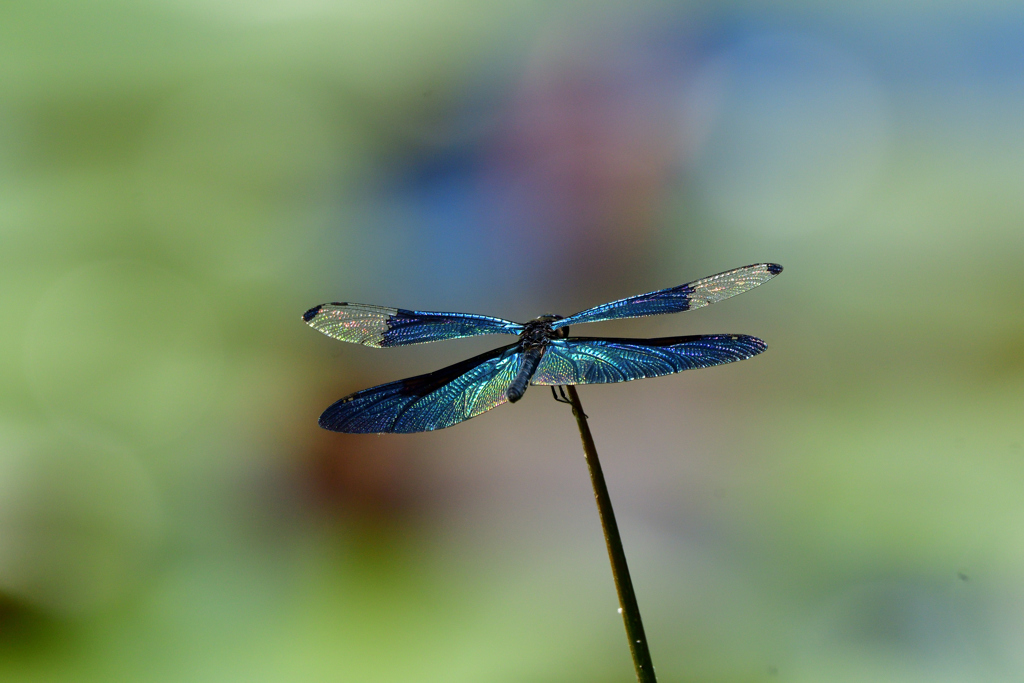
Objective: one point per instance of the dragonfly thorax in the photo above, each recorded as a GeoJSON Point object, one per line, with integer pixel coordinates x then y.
{"type": "Point", "coordinates": [538, 331]}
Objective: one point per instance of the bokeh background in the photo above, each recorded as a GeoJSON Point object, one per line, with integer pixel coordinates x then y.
{"type": "Point", "coordinates": [181, 179]}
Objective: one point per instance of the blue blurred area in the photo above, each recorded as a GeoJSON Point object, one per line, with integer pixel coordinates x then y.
{"type": "Point", "coordinates": [180, 180]}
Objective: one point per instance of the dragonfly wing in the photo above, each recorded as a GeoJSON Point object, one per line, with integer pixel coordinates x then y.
{"type": "Point", "coordinates": [380, 326]}
{"type": "Point", "coordinates": [677, 299]}
{"type": "Point", "coordinates": [428, 402]}
{"type": "Point", "coordinates": [582, 360]}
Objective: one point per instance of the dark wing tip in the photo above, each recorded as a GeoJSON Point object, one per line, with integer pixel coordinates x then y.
{"type": "Point", "coordinates": [751, 345]}
{"type": "Point", "coordinates": [325, 420]}
{"type": "Point", "coordinates": [774, 268]}
{"type": "Point", "coordinates": [758, 345]}
{"type": "Point", "coordinates": [332, 418]}
{"type": "Point", "coordinates": [330, 425]}
{"type": "Point", "coordinates": [311, 313]}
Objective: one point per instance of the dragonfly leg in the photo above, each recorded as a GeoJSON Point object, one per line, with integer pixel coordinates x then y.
{"type": "Point", "coordinates": [563, 398]}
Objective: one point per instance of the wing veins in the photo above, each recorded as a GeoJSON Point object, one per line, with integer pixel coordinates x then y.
{"type": "Point", "coordinates": [380, 326]}
{"type": "Point", "coordinates": [578, 360]}
{"type": "Point", "coordinates": [696, 294]}
{"type": "Point", "coordinates": [392, 407]}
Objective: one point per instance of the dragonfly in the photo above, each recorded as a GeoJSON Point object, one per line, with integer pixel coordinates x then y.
{"type": "Point", "coordinates": [544, 354]}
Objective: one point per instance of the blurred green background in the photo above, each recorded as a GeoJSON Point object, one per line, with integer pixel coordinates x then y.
{"type": "Point", "coordinates": [181, 179]}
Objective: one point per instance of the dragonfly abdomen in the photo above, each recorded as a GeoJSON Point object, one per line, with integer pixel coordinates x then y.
{"type": "Point", "coordinates": [530, 360]}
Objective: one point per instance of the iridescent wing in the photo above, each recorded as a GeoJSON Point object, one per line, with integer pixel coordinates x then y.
{"type": "Point", "coordinates": [380, 326]}
{"type": "Point", "coordinates": [677, 299]}
{"type": "Point", "coordinates": [583, 360]}
{"type": "Point", "coordinates": [428, 402]}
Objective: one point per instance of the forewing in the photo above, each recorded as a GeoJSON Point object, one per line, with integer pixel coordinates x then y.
{"type": "Point", "coordinates": [677, 299]}
{"type": "Point", "coordinates": [380, 326]}
{"type": "Point", "coordinates": [582, 360]}
{"type": "Point", "coordinates": [428, 402]}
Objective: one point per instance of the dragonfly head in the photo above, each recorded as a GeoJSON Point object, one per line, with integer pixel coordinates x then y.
{"type": "Point", "coordinates": [547, 319]}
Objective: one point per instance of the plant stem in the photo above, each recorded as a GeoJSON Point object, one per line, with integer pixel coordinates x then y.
{"type": "Point", "coordinates": [627, 598]}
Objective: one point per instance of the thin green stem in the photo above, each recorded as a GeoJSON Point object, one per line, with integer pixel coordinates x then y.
{"type": "Point", "coordinates": [627, 598]}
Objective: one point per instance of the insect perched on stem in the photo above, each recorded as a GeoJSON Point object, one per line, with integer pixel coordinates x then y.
{"type": "Point", "coordinates": [544, 354]}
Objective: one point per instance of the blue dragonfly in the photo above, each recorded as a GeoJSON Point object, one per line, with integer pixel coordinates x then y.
{"type": "Point", "coordinates": [544, 355]}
